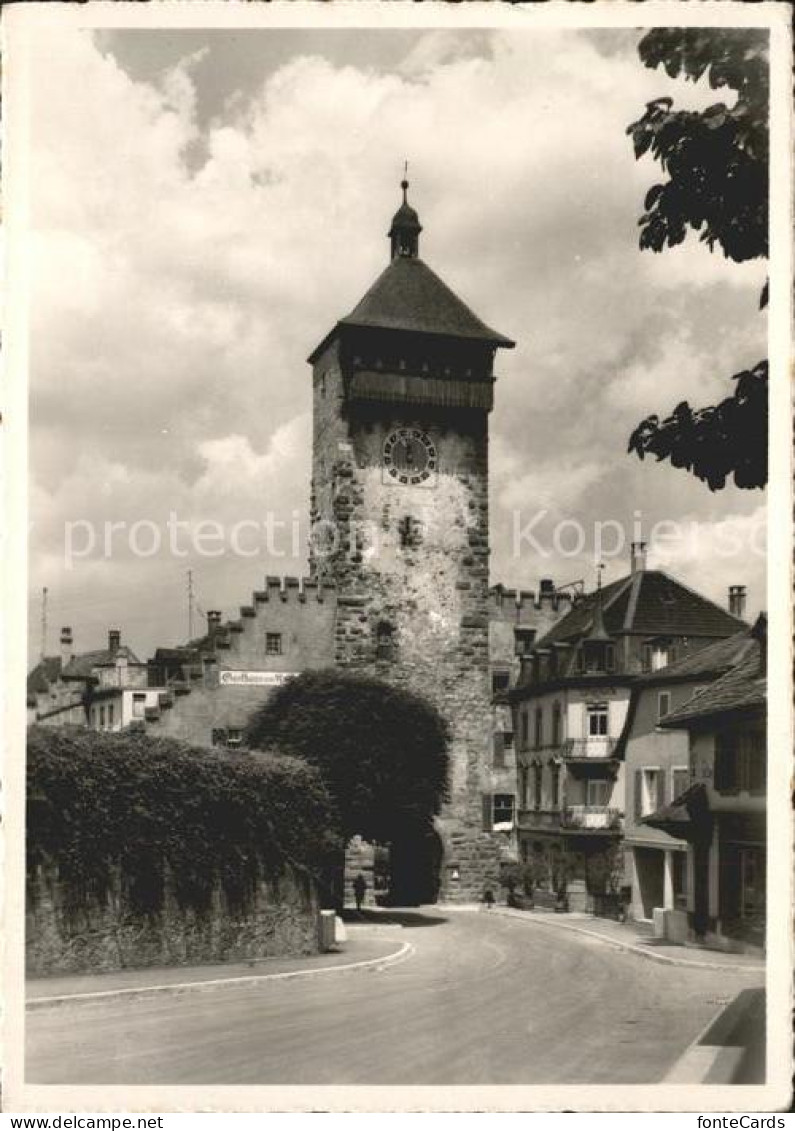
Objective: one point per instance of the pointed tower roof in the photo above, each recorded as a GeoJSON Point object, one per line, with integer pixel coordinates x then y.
{"type": "Point", "coordinates": [409, 296]}
{"type": "Point", "coordinates": [404, 231]}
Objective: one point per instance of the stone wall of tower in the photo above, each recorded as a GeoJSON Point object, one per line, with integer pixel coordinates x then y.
{"type": "Point", "coordinates": [412, 563]}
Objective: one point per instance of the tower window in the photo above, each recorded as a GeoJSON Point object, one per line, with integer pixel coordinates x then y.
{"type": "Point", "coordinates": [273, 644]}
{"type": "Point", "coordinates": [409, 532]}
{"type": "Point", "coordinates": [384, 641]}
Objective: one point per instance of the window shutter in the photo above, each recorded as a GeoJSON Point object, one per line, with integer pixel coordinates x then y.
{"type": "Point", "coordinates": [487, 813]}
{"type": "Point", "coordinates": [499, 749]}
{"type": "Point", "coordinates": [638, 810]}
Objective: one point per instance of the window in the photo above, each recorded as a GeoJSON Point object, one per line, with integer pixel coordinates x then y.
{"type": "Point", "coordinates": [537, 782]}
{"type": "Point", "coordinates": [384, 641]}
{"type": "Point", "coordinates": [597, 792]}
{"type": "Point", "coordinates": [525, 717]}
{"type": "Point", "coordinates": [556, 725]}
{"type": "Point", "coordinates": [646, 657]}
{"type": "Point", "coordinates": [663, 704]}
{"type": "Point", "coordinates": [539, 728]}
{"type": "Point", "coordinates": [523, 640]}
{"type": "Point", "coordinates": [500, 681]}
{"type": "Point", "coordinates": [740, 761]}
{"type": "Point", "coordinates": [234, 737]}
{"type": "Point", "coordinates": [110, 716]}
{"type": "Point", "coordinates": [273, 644]}
{"type": "Point", "coordinates": [524, 787]}
{"type": "Point", "coordinates": [650, 791]}
{"type": "Point", "coordinates": [507, 739]}
{"type": "Point", "coordinates": [680, 780]}
{"type": "Point", "coordinates": [102, 718]}
{"type": "Point", "coordinates": [659, 657]}
{"type": "Point", "coordinates": [610, 658]}
{"type": "Point", "coordinates": [555, 771]}
{"type": "Point", "coordinates": [138, 705]}
{"type": "Point", "coordinates": [503, 810]}
{"type": "Point", "coordinates": [597, 720]}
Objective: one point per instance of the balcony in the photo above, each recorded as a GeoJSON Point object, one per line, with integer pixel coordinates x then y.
{"type": "Point", "coordinates": [593, 749]}
{"type": "Point", "coordinates": [591, 818]}
{"type": "Point", "coordinates": [539, 820]}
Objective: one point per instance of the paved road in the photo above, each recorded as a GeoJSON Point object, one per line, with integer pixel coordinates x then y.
{"type": "Point", "coordinates": [483, 1000]}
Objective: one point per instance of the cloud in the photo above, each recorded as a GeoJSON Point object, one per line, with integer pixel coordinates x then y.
{"type": "Point", "coordinates": [183, 271]}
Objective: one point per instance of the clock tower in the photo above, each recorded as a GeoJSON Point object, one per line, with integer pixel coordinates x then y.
{"type": "Point", "coordinates": [402, 391]}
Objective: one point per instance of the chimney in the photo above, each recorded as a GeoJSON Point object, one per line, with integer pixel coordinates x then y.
{"type": "Point", "coordinates": [67, 646]}
{"type": "Point", "coordinates": [637, 557]}
{"type": "Point", "coordinates": [737, 601]}
{"type": "Point", "coordinates": [213, 622]}
{"type": "Point", "coordinates": [546, 592]}
{"type": "Point", "coordinates": [114, 640]}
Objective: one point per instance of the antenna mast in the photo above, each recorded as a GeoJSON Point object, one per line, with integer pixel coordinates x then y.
{"type": "Point", "coordinates": [44, 622]}
{"type": "Point", "coordinates": [190, 604]}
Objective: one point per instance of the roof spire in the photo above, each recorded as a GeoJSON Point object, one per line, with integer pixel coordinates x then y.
{"type": "Point", "coordinates": [404, 233]}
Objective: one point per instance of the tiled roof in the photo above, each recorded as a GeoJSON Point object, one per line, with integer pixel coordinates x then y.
{"type": "Point", "coordinates": [80, 667]}
{"type": "Point", "coordinates": [408, 295]}
{"type": "Point", "coordinates": [647, 603]}
{"type": "Point", "coordinates": [743, 687]}
{"type": "Point", "coordinates": [45, 673]}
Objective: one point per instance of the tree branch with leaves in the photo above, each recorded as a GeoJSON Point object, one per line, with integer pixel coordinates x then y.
{"type": "Point", "coordinates": [716, 163]}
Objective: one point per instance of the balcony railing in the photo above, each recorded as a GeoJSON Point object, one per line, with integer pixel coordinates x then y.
{"type": "Point", "coordinates": [539, 819]}
{"type": "Point", "coordinates": [590, 817]}
{"type": "Point", "coordinates": [583, 749]}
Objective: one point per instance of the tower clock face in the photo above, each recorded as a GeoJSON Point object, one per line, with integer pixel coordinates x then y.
{"type": "Point", "coordinates": [410, 456]}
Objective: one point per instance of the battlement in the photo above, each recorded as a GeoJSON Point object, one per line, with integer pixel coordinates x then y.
{"type": "Point", "coordinates": [291, 590]}
{"type": "Point", "coordinates": [509, 600]}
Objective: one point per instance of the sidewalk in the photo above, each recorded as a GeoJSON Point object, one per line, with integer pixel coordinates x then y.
{"type": "Point", "coordinates": [626, 936]}
{"type": "Point", "coordinates": [362, 951]}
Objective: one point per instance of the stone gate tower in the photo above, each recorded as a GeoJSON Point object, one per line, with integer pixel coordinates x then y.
{"type": "Point", "coordinates": [403, 387]}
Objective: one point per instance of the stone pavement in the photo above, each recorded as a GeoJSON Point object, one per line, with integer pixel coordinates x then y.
{"type": "Point", "coordinates": [629, 937]}
{"type": "Point", "coordinates": [363, 948]}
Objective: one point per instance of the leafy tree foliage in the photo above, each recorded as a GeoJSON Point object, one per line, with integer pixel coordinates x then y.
{"type": "Point", "coordinates": [138, 806]}
{"type": "Point", "coordinates": [381, 750]}
{"type": "Point", "coordinates": [716, 161]}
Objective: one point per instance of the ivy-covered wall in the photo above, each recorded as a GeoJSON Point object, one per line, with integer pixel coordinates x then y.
{"type": "Point", "coordinates": [144, 851]}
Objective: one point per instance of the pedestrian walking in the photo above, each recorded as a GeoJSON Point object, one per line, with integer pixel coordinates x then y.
{"type": "Point", "coordinates": [359, 888]}
{"type": "Point", "coordinates": [488, 898]}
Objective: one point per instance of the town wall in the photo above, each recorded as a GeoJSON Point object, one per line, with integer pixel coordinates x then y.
{"type": "Point", "coordinates": [282, 920]}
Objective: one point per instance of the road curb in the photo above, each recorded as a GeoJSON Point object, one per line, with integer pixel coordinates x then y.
{"type": "Point", "coordinates": [404, 951]}
{"type": "Point", "coordinates": [710, 1061]}
{"type": "Point", "coordinates": [617, 944]}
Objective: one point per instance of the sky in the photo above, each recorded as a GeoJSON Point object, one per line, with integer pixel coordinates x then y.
{"type": "Point", "coordinates": [206, 204]}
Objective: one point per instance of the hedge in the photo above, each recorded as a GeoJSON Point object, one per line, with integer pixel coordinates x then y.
{"type": "Point", "coordinates": [138, 807]}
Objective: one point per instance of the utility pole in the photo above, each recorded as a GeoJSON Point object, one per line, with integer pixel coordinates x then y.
{"type": "Point", "coordinates": [190, 604]}
{"type": "Point", "coordinates": [44, 622]}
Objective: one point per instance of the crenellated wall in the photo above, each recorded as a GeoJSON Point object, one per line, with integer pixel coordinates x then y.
{"type": "Point", "coordinates": [239, 673]}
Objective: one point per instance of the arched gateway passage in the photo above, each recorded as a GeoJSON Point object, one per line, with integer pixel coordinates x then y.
{"type": "Point", "coordinates": [382, 753]}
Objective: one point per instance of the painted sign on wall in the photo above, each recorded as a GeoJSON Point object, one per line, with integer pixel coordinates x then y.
{"type": "Point", "coordinates": [254, 679]}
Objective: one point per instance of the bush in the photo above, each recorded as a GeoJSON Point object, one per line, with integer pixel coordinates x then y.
{"type": "Point", "coordinates": [135, 806]}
